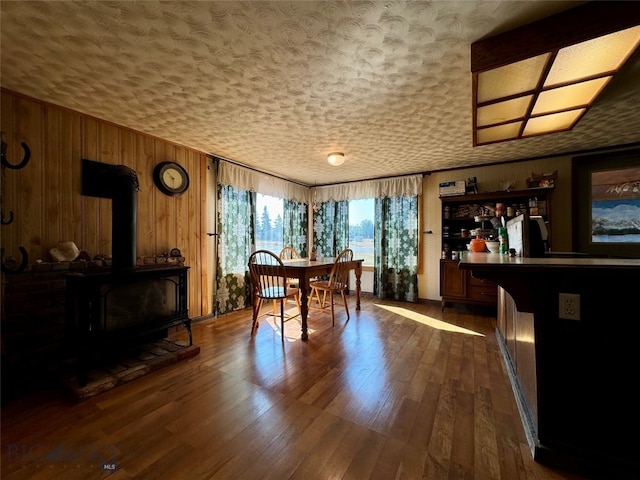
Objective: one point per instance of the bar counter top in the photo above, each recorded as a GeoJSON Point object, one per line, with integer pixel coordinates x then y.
{"type": "Point", "coordinates": [526, 278]}
{"type": "Point", "coordinates": [477, 260]}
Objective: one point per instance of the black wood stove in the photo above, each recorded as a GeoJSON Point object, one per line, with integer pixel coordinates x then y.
{"type": "Point", "coordinates": [119, 306]}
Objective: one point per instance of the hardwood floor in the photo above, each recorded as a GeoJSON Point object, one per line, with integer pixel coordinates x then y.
{"type": "Point", "coordinates": [400, 391]}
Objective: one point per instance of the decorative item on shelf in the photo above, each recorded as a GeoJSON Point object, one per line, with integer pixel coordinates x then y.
{"type": "Point", "coordinates": [456, 187]}
{"type": "Point", "coordinates": [481, 219]}
{"type": "Point", "coordinates": [175, 252]}
{"type": "Point", "coordinates": [483, 232]}
{"type": "Point", "coordinates": [543, 180]}
{"type": "Point", "coordinates": [507, 185]}
{"type": "Point", "coordinates": [64, 252]}
{"type": "Point", "coordinates": [472, 185]}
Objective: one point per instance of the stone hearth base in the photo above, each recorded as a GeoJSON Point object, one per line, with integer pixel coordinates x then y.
{"type": "Point", "coordinates": [118, 369]}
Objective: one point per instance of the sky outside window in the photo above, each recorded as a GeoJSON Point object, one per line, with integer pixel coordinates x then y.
{"type": "Point", "coordinates": [361, 214]}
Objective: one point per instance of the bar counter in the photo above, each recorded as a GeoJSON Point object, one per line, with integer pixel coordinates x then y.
{"type": "Point", "coordinates": [575, 381]}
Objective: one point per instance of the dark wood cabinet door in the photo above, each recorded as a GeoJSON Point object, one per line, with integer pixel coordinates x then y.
{"type": "Point", "coordinates": [453, 280]}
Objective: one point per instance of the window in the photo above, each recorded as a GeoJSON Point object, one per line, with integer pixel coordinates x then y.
{"type": "Point", "coordinates": [361, 215]}
{"type": "Point", "coordinates": [269, 229]}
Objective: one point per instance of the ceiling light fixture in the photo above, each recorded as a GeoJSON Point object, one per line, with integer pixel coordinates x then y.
{"type": "Point", "coordinates": [543, 77]}
{"type": "Point", "coordinates": [336, 159]}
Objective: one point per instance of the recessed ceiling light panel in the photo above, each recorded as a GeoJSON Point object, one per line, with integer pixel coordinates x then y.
{"type": "Point", "coordinates": [549, 80]}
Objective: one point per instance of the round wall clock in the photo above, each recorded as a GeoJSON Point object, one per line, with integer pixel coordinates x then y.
{"type": "Point", "coordinates": [171, 178]}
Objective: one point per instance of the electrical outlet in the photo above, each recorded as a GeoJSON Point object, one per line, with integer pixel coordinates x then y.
{"type": "Point", "coordinates": [569, 306]}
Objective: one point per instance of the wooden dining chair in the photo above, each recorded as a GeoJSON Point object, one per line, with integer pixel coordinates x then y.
{"type": "Point", "coordinates": [288, 253]}
{"type": "Point", "coordinates": [269, 282]}
{"type": "Point", "coordinates": [337, 282]}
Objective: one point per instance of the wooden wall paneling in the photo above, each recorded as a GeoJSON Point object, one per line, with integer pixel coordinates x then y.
{"type": "Point", "coordinates": [90, 205]}
{"type": "Point", "coordinates": [184, 231]}
{"type": "Point", "coordinates": [127, 156]}
{"type": "Point", "coordinates": [70, 170]}
{"type": "Point", "coordinates": [184, 218]}
{"type": "Point", "coordinates": [127, 150]}
{"type": "Point", "coordinates": [146, 231]}
{"type": "Point", "coordinates": [8, 190]}
{"type": "Point", "coordinates": [47, 199]}
{"type": "Point", "coordinates": [198, 257]}
{"type": "Point", "coordinates": [165, 206]}
{"type": "Point", "coordinates": [53, 178]}
{"type": "Point", "coordinates": [204, 259]}
{"type": "Point", "coordinates": [206, 275]}
{"type": "Point", "coordinates": [108, 152]}
{"type": "Point", "coordinates": [30, 179]}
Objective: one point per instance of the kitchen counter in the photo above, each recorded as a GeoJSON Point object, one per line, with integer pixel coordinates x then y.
{"type": "Point", "coordinates": [574, 380]}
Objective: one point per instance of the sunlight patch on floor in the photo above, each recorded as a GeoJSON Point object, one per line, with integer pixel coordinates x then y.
{"type": "Point", "coordinates": [426, 320]}
{"type": "Point", "coordinates": [292, 327]}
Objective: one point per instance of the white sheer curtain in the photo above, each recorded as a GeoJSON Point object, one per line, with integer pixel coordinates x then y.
{"type": "Point", "coordinates": [252, 181]}
{"type": "Point", "coordinates": [405, 186]}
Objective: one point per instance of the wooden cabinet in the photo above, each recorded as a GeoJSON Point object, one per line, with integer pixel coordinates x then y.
{"type": "Point", "coordinates": [464, 217]}
{"type": "Point", "coordinates": [516, 332]}
{"type": "Point", "coordinates": [452, 280]}
{"type": "Point", "coordinates": [458, 286]}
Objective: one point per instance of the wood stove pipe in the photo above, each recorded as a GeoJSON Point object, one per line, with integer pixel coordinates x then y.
{"type": "Point", "coordinates": [124, 216]}
{"type": "Point", "coordinates": [120, 183]}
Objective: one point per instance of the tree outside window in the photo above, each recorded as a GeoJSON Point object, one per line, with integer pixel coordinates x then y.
{"type": "Point", "coordinates": [361, 215]}
{"type": "Point", "coordinates": [269, 224]}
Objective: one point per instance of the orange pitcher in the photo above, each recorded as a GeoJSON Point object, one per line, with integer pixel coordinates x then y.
{"type": "Point", "coordinates": [478, 245]}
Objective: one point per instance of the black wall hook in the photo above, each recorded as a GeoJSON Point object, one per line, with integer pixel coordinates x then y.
{"type": "Point", "coordinates": [11, 265]}
{"type": "Point", "coordinates": [6, 221]}
{"type": "Point", "coordinates": [7, 163]}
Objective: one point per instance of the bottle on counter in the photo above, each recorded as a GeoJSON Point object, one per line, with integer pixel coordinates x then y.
{"type": "Point", "coordinates": [503, 239]}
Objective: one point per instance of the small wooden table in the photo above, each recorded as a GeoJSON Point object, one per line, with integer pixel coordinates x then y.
{"type": "Point", "coordinates": [305, 269]}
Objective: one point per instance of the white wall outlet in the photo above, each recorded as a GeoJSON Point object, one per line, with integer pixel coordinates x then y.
{"type": "Point", "coordinates": [569, 306]}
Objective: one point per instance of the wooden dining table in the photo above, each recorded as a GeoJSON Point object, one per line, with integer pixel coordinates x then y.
{"type": "Point", "coordinates": [304, 269]}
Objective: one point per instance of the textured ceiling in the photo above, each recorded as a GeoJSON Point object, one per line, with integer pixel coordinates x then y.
{"type": "Point", "coordinates": [278, 85]}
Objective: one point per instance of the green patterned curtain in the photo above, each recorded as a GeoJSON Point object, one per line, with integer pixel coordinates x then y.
{"type": "Point", "coordinates": [396, 248]}
{"type": "Point", "coordinates": [236, 220]}
{"type": "Point", "coordinates": [296, 224]}
{"type": "Point", "coordinates": [331, 228]}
